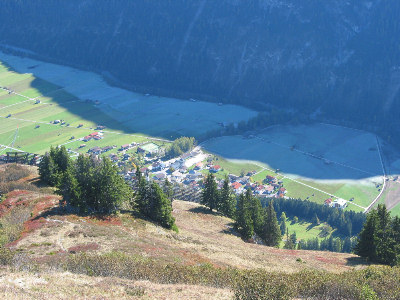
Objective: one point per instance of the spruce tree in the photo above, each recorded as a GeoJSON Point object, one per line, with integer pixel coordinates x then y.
{"type": "Point", "coordinates": [227, 200]}
{"type": "Point", "coordinates": [142, 193]}
{"type": "Point", "coordinates": [162, 212]}
{"type": "Point", "coordinates": [47, 169]}
{"type": "Point", "coordinates": [210, 192]}
{"type": "Point", "coordinates": [283, 223]}
{"type": "Point", "coordinates": [271, 233]}
{"type": "Point", "coordinates": [168, 190]}
{"type": "Point", "coordinates": [244, 222]}
{"type": "Point", "coordinates": [385, 242]}
{"type": "Point", "coordinates": [70, 190]}
{"type": "Point", "coordinates": [366, 246]}
{"type": "Point", "coordinates": [347, 245]}
{"type": "Point", "coordinates": [315, 220]}
{"type": "Point", "coordinates": [110, 188]}
{"type": "Point", "coordinates": [257, 213]}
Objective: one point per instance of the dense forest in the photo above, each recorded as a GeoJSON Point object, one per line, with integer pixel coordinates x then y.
{"type": "Point", "coordinates": [322, 58]}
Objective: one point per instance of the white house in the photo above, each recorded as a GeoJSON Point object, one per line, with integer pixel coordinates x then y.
{"type": "Point", "coordinates": [339, 203]}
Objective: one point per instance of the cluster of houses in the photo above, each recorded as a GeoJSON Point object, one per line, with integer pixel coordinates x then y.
{"type": "Point", "coordinates": [188, 169]}
{"type": "Point", "coordinates": [177, 170]}
{"type": "Point", "coordinates": [270, 187]}
{"type": "Point", "coordinates": [100, 150]}
{"type": "Point", "coordinates": [95, 136]}
{"type": "Point", "coordinates": [337, 203]}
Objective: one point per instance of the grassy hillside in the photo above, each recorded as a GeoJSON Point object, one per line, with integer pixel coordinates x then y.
{"type": "Point", "coordinates": [123, 256]}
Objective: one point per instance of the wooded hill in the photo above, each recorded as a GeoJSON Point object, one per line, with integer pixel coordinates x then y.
{"type": "Point", "coordinates": [340, 58]}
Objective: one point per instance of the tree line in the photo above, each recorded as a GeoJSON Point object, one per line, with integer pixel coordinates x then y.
{"type": "Point", "coordinates": [329, 244]}
{"type": "Point", "coordinates": [347, 223]}
{"type": "Point", "coordinates": [92, 185]}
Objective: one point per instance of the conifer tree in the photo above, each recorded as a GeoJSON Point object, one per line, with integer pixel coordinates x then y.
{"type": "Point", "coordinates": [142, 194]}
{"type": "Point", "coordinates": [168, 190]}
{"type": "Point", "coordinates": [162, 208]}
{"type": "Point", "coordinates": [384, 237]}
{"type": "Point", "coordinates": [283, 223]}
{"type": "Point", "coordinates": [70, 189]}
{"type": "Point", "coordinates": [257, 213]}
{"type": "Point", "coordinates": [53, 165]}
{"type": "Point", "coordinates": [290, 242]}
{"type": "Point", "coordinates": [152, 202]}
{"type": "Point", "coordinates": [347, 245]}
{"type": "Point", "coordinates": [47, 169]}
{"type": "Point", "coordinates": [110, 189]}
{"type": "Point", "coordinates": [271, 233]}
{"type": "Point", "coordinates": [210, 192]}
{"type": "Point", "coordinates": [315, 220]}
{"type": "Point", "coordinates": [227, 201]}
{"type": "Point", "coordinates": [244, 222]}
{"type": "Point", "coordinates": [366, 246]}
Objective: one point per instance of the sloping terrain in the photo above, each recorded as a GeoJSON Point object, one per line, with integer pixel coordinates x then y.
{"type": "Point", "coordinates": [52, 253]}
{"type": "Point", "coordinates": [204, 238]}
{"type": "Point", "coordinates": [328, 56]}
{"type": "Point", "coordinates": [65, 285]}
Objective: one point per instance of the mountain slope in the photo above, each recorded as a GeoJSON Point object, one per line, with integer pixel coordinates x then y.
{"type": "Point", "coordinates": [332, 55]}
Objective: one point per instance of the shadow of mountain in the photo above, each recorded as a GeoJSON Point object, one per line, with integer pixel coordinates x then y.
{"type": "Point", "coordinates": [85, 109]}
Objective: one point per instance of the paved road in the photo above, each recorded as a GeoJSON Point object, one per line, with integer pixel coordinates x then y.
{"type": "Point", "coordinates": [367, 209]}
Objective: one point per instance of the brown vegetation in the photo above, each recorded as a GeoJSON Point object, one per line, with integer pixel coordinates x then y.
{"type": "Point", "coordinates": [207, 259]}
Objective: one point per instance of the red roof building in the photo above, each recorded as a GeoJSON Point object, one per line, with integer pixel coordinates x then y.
{"type": "Point", "coordinates": [270, 178]}
{"type": "Point", "coordinates": [236, 185]}
{"type": "Point", "coordinates": [215, 168]}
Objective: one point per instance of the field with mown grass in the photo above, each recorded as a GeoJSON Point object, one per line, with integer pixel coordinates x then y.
{"type": "Point", "coordinates": [19, 110]}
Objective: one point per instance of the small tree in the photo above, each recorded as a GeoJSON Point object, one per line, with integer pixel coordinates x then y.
{"type": "Point", "coordinates": [315, 220]}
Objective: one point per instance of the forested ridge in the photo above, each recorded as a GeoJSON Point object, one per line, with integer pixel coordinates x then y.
{"type": "Point", "coordinates": [338, 58]}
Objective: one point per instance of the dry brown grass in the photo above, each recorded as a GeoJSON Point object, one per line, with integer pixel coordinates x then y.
{"type": "Point", "coordinates": [64, 285]}
{"type": "Point", "coordinates": [203, 238]}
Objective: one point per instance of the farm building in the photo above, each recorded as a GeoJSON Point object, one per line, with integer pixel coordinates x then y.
{"type": "Point", "coordinates": [339, 203]}
{"type": "Point", "coordinates": [328, 202]}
